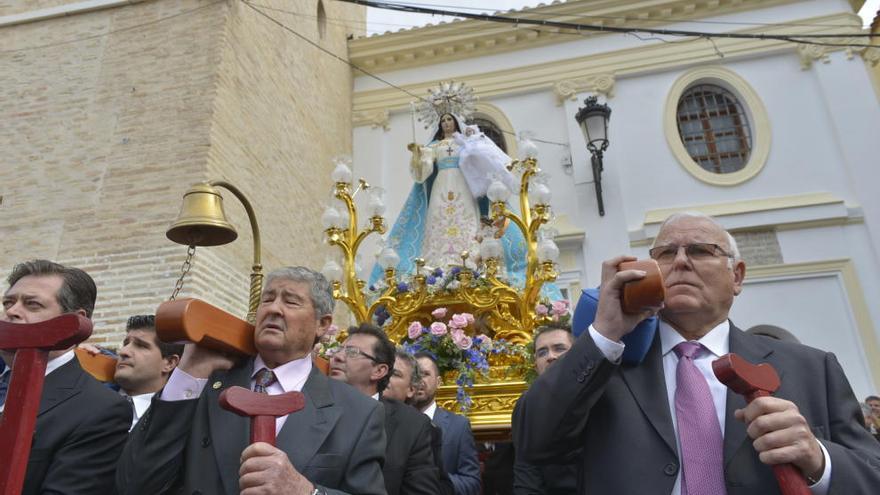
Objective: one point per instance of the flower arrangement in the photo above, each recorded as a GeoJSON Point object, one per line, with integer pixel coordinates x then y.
{"type": "Point", "coordinates": [558, 312]}
{"type": "Point", "coordinates": [454, 350]}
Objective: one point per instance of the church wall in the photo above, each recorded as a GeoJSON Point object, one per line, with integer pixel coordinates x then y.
{"type": "Point", "coordinates": [806, 220]}
{"type": "Point", "coordinates": [102, 137]}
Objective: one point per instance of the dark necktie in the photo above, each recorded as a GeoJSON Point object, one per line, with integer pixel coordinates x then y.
{"type": "Point", "coordinates": [264, 378]}
{"type": "Point", "coordinates": [702, 455]}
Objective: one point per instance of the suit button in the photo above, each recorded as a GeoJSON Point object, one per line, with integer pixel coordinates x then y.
{"type": "Point", "coordinates": [206, 441]}
{"type": "Point", "coordinates": [671, 469]}
{"type": "Point", "coordinates": [582, 377]}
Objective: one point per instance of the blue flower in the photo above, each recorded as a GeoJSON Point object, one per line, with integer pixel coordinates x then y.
{"type": "Point", "coordinates": [372, 288]}
{"type": "Point", "coordinates": [455, 270]}
{"type": "Point", "coordinates": [438, 272]}
{"type": "Point", "coordinates": [431, 280]}
{"type": "Point", "coordinates": [402, 287]}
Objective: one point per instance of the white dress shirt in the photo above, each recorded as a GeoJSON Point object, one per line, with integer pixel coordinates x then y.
{"type": "Point", "coordinates": [717, 341]}
{"type": "Point", "coordinates": [51, 366]}
{"type": "Point", "coordinates": [139, 405]}
{"type": "Point", "coordinates": [289, 377]}
{"type": "Point", "coordinates": [431, 409]}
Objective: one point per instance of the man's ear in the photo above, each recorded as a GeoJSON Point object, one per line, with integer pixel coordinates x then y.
{"type": "Point", "coordinates": [739, 274]}
{"type": "Point", "coordinates": [82, 312]}
{"type": "Point", "coordinates": [379, 372]}
{"type": "Point", "coordinates": [324, 323]}
{"type": "Point", "coordinates": [169, 363]}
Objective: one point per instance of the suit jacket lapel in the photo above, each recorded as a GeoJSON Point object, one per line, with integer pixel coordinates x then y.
{"type": "Point", "coordinates": [305, 431]}
{"type": "Point", "coordinates": [647, 383]}
{"type": "Point", "coordinates": [60, 385]}
{"type": "Point", "coordinates": [229, 431]}
{"type": "Point", "coordinates": [754, 351]}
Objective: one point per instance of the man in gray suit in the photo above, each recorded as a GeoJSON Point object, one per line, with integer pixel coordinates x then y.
{"type": "Point", "coordinates": [631, 419]}
{"type": "Point", "coordinates": [187, 442]}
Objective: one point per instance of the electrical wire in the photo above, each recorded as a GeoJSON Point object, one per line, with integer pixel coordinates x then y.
{"type": "Point", "coordinates": [618, 29]}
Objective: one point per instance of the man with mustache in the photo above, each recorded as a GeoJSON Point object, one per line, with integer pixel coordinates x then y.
{"type": "Point", "coordinates": [666, 424]}
{"type": "Point", "coordinates": [186, 443]}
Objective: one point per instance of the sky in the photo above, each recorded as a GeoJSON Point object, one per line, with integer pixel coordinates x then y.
{"type": "Point", "coordinates": [379, 20]}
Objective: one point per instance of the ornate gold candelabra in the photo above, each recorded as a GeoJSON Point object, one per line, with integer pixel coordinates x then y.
{"type": "Point", "coordinates": [510, 311]}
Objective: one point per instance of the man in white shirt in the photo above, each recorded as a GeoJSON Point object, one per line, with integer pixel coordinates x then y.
{"type": "Point", "coordinates": [81, 424]}
{"type": "Point", "coordinates": [628, 417]}
{"type": "Point", "coordinates": [144, 363]}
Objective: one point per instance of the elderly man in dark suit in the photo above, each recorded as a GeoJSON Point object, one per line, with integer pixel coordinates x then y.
{"type": "Point", "coordinates": [667, 425]}
{"type": "Point", "coordinates": [366, 361]}
{"type": "Point", "coordinates": [335, 444]}
{"type": "Point", "coordinates": [459, 451]}
{"type": "Point", "coordinates": [81, 425]}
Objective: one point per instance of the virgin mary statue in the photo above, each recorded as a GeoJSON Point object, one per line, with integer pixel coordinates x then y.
{"type": "Point", "coordinates": [441, 217]}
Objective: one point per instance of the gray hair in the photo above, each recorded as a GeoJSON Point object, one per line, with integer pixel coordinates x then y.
{"type": "Point", "coordinates": [321, 293]}
{"type": "Point", "coordinates": [413, 365]}
{"type": "Point", "coordinates": [731, 242]}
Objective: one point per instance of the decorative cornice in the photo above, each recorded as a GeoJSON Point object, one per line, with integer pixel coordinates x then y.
{"type": "Point", "coordinates": [621, 63]}
{"type": "Point", "coordinates": [374, 118]}
{"type": "Point", "coordinates": [812, 53]}
{"type": "Point", "coordinates": [747, 206]}
{"type": "Point", "coordinates": [459, 39]}
{"type": "Point", "coordinates": [568, 89]}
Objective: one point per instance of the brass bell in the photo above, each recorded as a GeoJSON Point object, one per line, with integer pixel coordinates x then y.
{"type": "Point", "coordinates": [201, 221]}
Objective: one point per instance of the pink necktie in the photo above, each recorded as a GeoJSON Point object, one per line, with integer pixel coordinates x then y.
{"type": "Point", "coordinates": [699, 433]}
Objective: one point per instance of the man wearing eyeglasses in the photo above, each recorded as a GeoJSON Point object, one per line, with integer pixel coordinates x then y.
{"type": "Point", "coordinates": [666, 424]}
{"type": "Point", "coordinates": [366, 362]}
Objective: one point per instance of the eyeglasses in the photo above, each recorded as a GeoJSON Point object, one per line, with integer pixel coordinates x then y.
{"type": "Point", "coordinates": [350, 351]}
{"type": "Point", "coordinates": [697, 252]}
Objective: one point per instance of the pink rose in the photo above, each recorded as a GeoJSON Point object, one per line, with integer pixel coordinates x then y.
{"type": "Point", "coordinates": [541, 309]}
{"type": "Point", "coordinates": [439, 313]}
{"type": "Point", "coordinates": [465, 343]}
{"type": "Point", "coordinates": [456, 334]}
{"type": "Point", "coordinates": [559, 308]}
{"type": "Point", "coordinates": [458, 321]}
{"type": "Point", "coordinates": [485, 341]}
{"type": "Point", "coordinates": [332, 330]}
{"type": "Point", "coordinates": [438, 328]}
{"type": "Point", "coordinates": [470, 317]}
{"type": "Point", "coordinates": [414, 330]}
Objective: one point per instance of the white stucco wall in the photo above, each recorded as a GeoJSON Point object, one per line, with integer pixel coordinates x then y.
{"type": "Point", "coordinates": [825, 126]}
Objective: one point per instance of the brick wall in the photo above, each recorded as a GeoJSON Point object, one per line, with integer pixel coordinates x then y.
{"type": "Point", "coordinates": [102, 137]}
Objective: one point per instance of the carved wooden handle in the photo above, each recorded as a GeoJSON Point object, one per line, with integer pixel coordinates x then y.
{"type": "Point", "coordinates": [32, 343]}
{"type": "Point", "coordinates": [753, 381]}
{"type": "Point", "coordinates": [196, 321]}
{"type": "Point", "coordinates": [261, 408]}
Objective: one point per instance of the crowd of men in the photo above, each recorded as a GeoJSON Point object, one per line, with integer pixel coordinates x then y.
{"type": "Point", "coordinates": [591, 423]}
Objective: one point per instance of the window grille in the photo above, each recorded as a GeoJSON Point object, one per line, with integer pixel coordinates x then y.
{"type": "Point", "coordinates": [714, 128]}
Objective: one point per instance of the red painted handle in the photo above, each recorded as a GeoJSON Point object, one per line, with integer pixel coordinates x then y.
{"type": "Point", "coordinates": [753, 381]}
{"type": "Point", "coordinates": [790, 479]}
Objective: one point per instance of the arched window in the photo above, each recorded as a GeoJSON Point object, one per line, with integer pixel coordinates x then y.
{"type": "Point", "coordinates": [491, 130]}
{"type": "Point", "coordinates": [322, 20]}
{"type": "Point", "coordinates": [714, 128]}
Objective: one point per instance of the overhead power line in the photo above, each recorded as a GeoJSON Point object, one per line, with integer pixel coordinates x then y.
{"type": "Point", "coordinates": [621, 29]}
